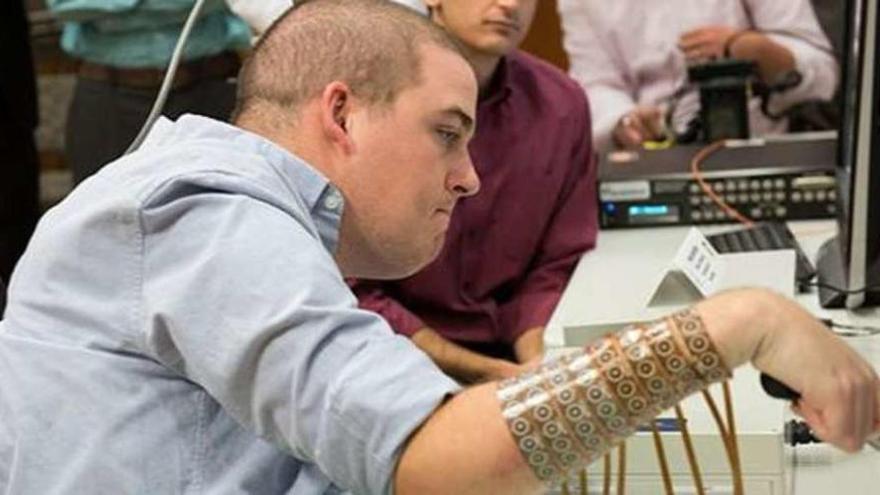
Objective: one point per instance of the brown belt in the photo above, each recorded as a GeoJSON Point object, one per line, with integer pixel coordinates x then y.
{"type": "Point", "coordinates": [225, 64]}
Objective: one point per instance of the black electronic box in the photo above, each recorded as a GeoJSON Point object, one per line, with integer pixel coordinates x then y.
{"type": "Point", "coordinates": [789, 178]}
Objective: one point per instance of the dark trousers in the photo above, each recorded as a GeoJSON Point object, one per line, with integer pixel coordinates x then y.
{"type": "Point", "coordinates": [497, 350]}
{"type": "Point", "coordinates": [104, 119]}
{"type": "Point", "coordinates": [19, 203]}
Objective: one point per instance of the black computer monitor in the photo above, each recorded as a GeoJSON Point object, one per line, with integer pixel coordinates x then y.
{"type": "Point", "coordinates": [849, 264]}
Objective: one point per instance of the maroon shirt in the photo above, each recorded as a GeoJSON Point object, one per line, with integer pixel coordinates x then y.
{"type": "Point", "coordinates": [511, 248]}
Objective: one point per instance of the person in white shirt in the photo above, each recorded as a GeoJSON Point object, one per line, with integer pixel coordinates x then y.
{"type": "Point", "coordinates": [260, 14]}
{"type": "Point", "coordinates": [632, 60]}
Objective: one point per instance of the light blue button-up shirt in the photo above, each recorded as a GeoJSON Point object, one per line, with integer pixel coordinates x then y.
{"type": "Point", "coordinates": [142, 33]}
{"type": "Point", "coordinates": [178, 325]}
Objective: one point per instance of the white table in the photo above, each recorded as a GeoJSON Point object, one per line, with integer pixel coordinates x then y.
{"type": "Point", "coordinates": [613, 283]}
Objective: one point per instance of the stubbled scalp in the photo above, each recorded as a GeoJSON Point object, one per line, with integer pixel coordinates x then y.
{"type": "Point", "coordinates": [370, 45]}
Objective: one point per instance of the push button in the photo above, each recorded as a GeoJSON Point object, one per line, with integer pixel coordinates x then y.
{"type": "Point", "coordinates": [333, 200]}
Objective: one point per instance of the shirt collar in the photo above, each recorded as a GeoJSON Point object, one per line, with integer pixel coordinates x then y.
{"type": "Point", "coordinates": [323, 199]}
{"type": "Point", "coordinates": [501, 84]}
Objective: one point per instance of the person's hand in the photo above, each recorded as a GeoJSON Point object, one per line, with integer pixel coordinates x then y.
{"type": "Point", "coordinates": [529, 345]}
{"type": "Point", "coordinates": [500, 369]}
{"type": "Point", "coordinates": [840, 392]}
{"type": "Point", "coordinates": [642, 123]}
{"type": "Point", "coordinates": [706, 43]}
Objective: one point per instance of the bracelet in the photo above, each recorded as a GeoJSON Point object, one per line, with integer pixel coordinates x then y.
{"type": "Point", "coordinates": [728, 43]}
{"type": "Point", "coordinates": [571, 411]}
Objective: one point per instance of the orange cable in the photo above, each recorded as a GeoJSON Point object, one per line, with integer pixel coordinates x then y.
{"type": "Point", "coordinates": [738, 488]}
{"type": "Point", "coordinates": [661, 459]}
{"type": "Point", "coordinates": [689, 450]}
{"type": "Point", "coordinates": [725, 437]}
{"type": "Point", "coordinates": [729, 434]}
{"type": "Point", "coordinates": [696, 164]}
{"type": "Point", "coordinates": [606, 481]}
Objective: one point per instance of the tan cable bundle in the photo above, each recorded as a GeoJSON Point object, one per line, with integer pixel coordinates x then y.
{"type": "Point", "coordinates": [728, 436]}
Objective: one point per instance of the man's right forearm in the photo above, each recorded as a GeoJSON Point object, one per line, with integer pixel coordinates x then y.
{"type": "Point", "coordinates": [527, 432]}
{"type": "Point", "coordinates": [772, 58]}
{"type": "Point", "coordinates": [518, 436]}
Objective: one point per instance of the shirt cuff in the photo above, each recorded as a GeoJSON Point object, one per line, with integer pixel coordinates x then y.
{"type": "Point", "coordinates": [819, 72]}
{"type": "Point", "coordinates": [376, 410]}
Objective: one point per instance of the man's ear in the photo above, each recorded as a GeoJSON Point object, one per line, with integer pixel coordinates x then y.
{"type": "Point", "coordinates": [336, 109]}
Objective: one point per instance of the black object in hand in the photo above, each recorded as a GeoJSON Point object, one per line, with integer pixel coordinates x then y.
{"type": "Point", "coordinates": [775, 388]}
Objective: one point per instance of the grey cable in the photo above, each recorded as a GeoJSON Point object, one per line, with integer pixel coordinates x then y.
{"type": "Point", "coordinates": [169, 77]}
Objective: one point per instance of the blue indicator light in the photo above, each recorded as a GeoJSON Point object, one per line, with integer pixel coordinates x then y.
{"type": "Point", "coordinates": [648, 210]}
{"type": "Point", "coordinates": [663, 424]}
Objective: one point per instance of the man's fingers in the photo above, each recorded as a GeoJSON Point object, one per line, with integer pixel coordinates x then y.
{"type": "Point", "coordinates": [657, 127]}
{"type": "Point", "coordinates": [863, 413]}
{"type": "Point", "coordinates": [843, 420]}
{"type": "Point", "coordinates": [819, 425]}
{"type": "Point", "coordinates": [686, 46]}
{"type": "Point", "coordinates": [690, 36]}
{"type": "Point", "coordinates": [631, 138]}
{"type": "Point", "coordinates": [639, 125]}
{"type": "Point", "coordinates": [845, 417]}
{"type": "Point", "coordinates": [810, 415]}
{"type": "Point", "coordinates": [864, 385]}
{"type": "Point", "coordinates": [870, 398]}
{"type": "Point", "coordinates": [700, 40]}
{"type": "Point", "coordinates": [650, 112]}
{"type": "Point", "coordinates": [651, 121]}
{"type": "Point", "coordinates": [692, 44]}
{"type": "Point", "coordinates": [630, 132]}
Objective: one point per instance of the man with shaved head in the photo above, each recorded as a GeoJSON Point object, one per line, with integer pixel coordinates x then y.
{"type": "Point", "coordinates": [181, 322]}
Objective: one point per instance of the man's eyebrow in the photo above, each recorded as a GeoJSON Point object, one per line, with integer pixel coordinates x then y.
{"type": "Point", "coordinates": [466, 120]}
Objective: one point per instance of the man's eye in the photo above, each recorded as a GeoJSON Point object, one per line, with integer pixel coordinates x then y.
{"type": "Point", "coordinates": [449, 138]}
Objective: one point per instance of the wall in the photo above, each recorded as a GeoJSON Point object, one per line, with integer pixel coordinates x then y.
{"type": "Point", "coordinates": [545, 37]}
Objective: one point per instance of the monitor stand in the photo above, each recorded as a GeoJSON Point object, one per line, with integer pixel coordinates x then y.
{"type": "Point", "coordinates": [831, 273]}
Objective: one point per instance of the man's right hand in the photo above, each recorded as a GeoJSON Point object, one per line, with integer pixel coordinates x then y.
{"type": "Point", "coordinates": [840, 392]}
{"type": "Point", "coordinates": [642, 123]}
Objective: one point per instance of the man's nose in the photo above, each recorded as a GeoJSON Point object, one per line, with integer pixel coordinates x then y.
{"type": "Point", "coordinates": [509, 6]}
{"type": "Point", "coordinates": [464, 180]}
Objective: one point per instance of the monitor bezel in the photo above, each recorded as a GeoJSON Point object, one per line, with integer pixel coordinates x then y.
{"type": "Point", "coordinates": [861, 180]}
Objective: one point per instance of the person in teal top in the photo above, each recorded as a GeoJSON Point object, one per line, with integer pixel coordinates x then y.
{"type": "Point", "coordinates": [133, 33]}
{"type": "Point", "coordinates": [123, 47]}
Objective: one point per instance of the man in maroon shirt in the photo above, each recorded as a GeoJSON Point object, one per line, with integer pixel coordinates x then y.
{"type": "Point", "coordinates": [480, 308]}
